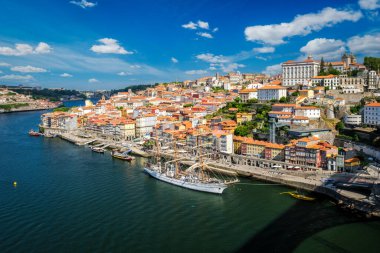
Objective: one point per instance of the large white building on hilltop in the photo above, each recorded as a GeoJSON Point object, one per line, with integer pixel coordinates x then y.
{"type": "Point", "coordinates": [372, 114]}
{"type": "Point", "coordinates": [299, 72]}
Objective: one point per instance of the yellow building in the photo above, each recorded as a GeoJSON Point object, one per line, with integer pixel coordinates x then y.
{"type": "Point", "coordinates": [243, 117]}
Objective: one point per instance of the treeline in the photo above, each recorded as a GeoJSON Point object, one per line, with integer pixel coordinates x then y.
{"type": "Point", "coordinates": [372, 63]}
{"type": "Point", "coordinates": [52, 95]}
{"type": "Point", "coordinates": [134, 88]}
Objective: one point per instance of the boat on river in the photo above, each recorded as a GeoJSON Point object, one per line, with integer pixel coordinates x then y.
{"type": "Point", "coordinates": [98, 149]}
{"type": "Point", "coordinates": [197, 177]}
{"type": "Point", "coordinates": [33, 133]}
{"type": "Point", "coordinates": [299, 196]}
{"type": "Point", "coordinates": [122, 155]}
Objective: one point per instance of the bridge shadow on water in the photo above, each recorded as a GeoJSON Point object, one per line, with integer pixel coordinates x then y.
{"type": "Point", "coordinates": [301, 221]}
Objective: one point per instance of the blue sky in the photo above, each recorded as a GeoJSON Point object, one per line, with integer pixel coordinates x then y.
{"type": "Point", "coordinates": [105, 44]}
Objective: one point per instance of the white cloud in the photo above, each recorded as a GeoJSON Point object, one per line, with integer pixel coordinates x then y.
{"type": "Point", "coordinates": [109, 46]}
{"type": "Point", "coordinates": [84, 4]}
{"type": "Point", "coordinates": [215, 29]}
{"type": "Point", "coordinates": [329, 49]}
{"type": "Point", "coordinates": [93, 80]}
{"type": "Point", "coordinates": [196, 72]}
{"type": "Point", "coordinates": [66, 75]}
{"type": "Point", "coordinates": [300, 26]}
{"type": "Point", "coordinates": [174, 60]}
{"type": "Point", "coordinates": [273, 69]}
{"type": "Point", "coordinates": [221, 62]}
{"type": "Point", "coordinates": [123, 73]}
{"type": "Point", "coordinates": [25, 49]}
{"type": "Point", "coordinates": [4, 64]}
{"type": "Point", "coordinates": [199, 24]}
{"type": "Point", "coordinates": [369, 4]}
{"type": "Point", "coordinates": [42, 48]}
{"type": "Point", "coordinates": [190, 25]}
{"type": "Point", "coordinates": [231, 67]}
{"type": "Point", "coordinates": [28, 69]}
{"type": "Point", "coordinates": [264, 50]}
{"type": "Point", "coordinates": [135, 66]}
{"type": "Point", "coordinates": [203, 24]}
{"type": "Point", "coordinates": [204, 34]}
{"type": "Point", "coordinates": [367, 44]}
{"type": "Point", "coordinates": [211, 58]}
{"type": "Point", "coordinates": [17, 77]}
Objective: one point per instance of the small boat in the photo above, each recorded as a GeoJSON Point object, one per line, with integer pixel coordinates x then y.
{"type": "Point", "coordinates": [298, 196]}
{"type": "Point", "coordinates": [50, 135]}
{"type": "Point", "coordinates": [98, 149]}
{"type": "Point", "coordinates": [33, 133]}
{"type": "Point", "coordinates": [123, 156]}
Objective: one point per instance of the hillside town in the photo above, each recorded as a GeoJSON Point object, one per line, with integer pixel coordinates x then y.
{"type": "Point", "coordinates": [11, 101]}
{"type": "Point", "coordinates": [307, 117]}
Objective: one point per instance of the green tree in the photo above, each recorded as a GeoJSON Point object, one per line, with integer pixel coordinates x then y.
{"type": "Point", "coordinates": [242, 131]}
{"type": "Point", "coordinates": [372, 63]}
{"type": "Point", "coordinates": [339, 126]}
{"type": "Point", "coordinates": [283, 100]}
{"type": "Point", "coordinates": [322, 68]}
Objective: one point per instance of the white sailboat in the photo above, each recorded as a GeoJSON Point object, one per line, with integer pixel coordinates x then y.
{"type": "Point", "coordinates": [196, 177]}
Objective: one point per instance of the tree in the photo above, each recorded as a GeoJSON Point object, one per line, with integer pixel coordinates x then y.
{"type": "Point", "coordinates": [372, 63]}
{"type": "Point", "coordinates": [356, 138]}
{"type": "Point", "coordinates": [339, 126]}
{"type": "Point", "coordinates": [322, 68]}
{"type": "Point", "coordinates": [283, 100]}
{"type": "Point", "coordinates": [242, 130]}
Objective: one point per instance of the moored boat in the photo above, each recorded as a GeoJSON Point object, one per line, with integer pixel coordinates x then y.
{"type": "Point", "coordinates": [122, 155]}
{"type": "Point", "coordinates": [98, 149]}
{"type": "Point", "coordinates": [197, 177]}
{"type": "Point", "coordinates": [33, 133]}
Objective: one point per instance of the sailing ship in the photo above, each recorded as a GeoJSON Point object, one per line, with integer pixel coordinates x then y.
{"type": "Point", "coordinates": [197, 177]}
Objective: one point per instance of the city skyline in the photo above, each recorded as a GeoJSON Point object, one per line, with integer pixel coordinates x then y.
{"type": "Point", "coordinates": [111, 44]}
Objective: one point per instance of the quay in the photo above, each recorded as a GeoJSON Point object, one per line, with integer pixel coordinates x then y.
{"type": "Point", "coordinates": [310, 180]}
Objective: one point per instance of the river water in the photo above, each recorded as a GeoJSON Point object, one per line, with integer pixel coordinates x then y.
{"type": "Point", "coordinates": [69, 199]}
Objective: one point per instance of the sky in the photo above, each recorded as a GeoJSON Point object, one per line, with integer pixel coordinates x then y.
{"type": "Point", "coordinates": [108, 44]}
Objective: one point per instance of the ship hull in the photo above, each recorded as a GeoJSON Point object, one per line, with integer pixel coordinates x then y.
{"type": "Point", "coordinates": [210, 188]}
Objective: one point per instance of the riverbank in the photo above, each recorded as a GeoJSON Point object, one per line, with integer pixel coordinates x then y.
{"type": "Point", "coordinates": [26, 109]}
{"type": "Point", "coordinates": [309, 181]}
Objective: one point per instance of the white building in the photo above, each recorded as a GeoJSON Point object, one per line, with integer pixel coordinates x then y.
{"type": "Point", "coordinates": [373, 80]}
{"type": "Point", "coordinates": [226, 143]}
{"type": "Point", "coordinates": [145, 124]}
{"type": "Point", "coordinates": [352, 84]}
{"type": "Point", "coordinates": [310, 112]}
{"type": "Point", "coordinates": [269, 92]}
{"type": "Point", "coordinates": [372, 114]}
{"type": "Point", "coordinates": [330, 81]}
{"type": "Point", "coordinates": [353, 119]}
{"type": "Point", "coordinates": [247, 94]}
{"type": "Point", "coordinates": [294, 72]}
{"type": "Point", "coordinates": [235, 77]}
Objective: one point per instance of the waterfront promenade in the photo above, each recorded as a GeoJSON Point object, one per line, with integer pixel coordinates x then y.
{"type": "Point", "coordinates": [306, 180]}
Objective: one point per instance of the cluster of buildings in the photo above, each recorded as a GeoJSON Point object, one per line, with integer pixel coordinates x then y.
{"type": "Point", "coordinates": [306, 73]}
{"type": "Point", "coordinates": [10, 98]}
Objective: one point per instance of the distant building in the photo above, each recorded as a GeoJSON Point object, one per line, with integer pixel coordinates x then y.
{"type": "Point", "coordinates": [353, 119]}
{"type": "Point", "coordinates": [299, 72]}
{"type": "Point", "coordinates": [270, 92]}
{"type": "Point", "coordinates": [372, 114]}
{"type": "Point", "coordinates": [247, 94]}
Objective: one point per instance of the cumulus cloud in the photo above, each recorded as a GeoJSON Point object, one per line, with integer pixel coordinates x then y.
{"type": "Point", "coordinates": [231, 67]}
{"type": "Point", "coordinates": [191, 25]}
{"type": "Point", "coordinates": [84, 4]}
{"type": "Point", "coordinates": [369, 4]}
{"type": "Point", "coordinates": [123, 73]}
{"type": "Point", "coordinates": [300, 26]}
{"type": "Point", "coordinates": [4, 64]}
{"type": "Point", "coordinates": [273, 69]}
{"type": "Point", "coordinates": [66, 75]}
{"type": "Point", "coordinates": [211, 58]}
{"type": "Point", "coordinates": [199, 24]}
{"type": "Point", "coordinates": [17, 77]}
{"type": "Point", "coordinates": [206, 35]}
{"type": "Point", "coordinates": [264, 50]}
{"type": "Point", "coordinates": [93, 80]}
{"type": "Point", "coordinates": [321, 47]}
{"type": "Point", "coordinates": [174, 60]}
{"type": "Point", "coordinates": [367, 44]}
{"type": "Point", "coordinates": [196, 72]}
{"type": "Point", "coordinates": [25, 49]}
{"type": "Point", "coordinates": [109, 46]}
{"type": "Point", "coordinates": [28, 69]}
{"type": "Point", "coordinates": [221, 62]}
